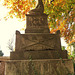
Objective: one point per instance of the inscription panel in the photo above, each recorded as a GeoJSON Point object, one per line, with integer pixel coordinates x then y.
{"type": "Point", "coordinates": [37, 21]}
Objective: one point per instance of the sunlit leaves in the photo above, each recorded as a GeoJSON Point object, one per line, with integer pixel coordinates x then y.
{"type": "Point", "coordinates": [61, 17]}
{"type": "Point", "coordinates": [19, 8]}
{"type": "Point", "coordinates": [61, 14]}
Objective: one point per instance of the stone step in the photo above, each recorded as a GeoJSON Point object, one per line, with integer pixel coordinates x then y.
{"type": "Point", "coordinates": [39, 67]}
{"type": "Point", "coordinates": [44, 54]}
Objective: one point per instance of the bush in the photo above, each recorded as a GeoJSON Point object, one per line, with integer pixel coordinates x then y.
{"type": "Point", "coordinates": [1, 53]}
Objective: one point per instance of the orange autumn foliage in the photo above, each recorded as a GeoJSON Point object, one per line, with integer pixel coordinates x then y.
{"type": "Point", "coordinates": [18, 7]}
{"type": "Point", "coordinates": [61, 14]}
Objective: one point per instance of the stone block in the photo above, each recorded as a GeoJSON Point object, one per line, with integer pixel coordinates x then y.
{"type": "Point", "coordinates": [34, 55]}
{"type": "Point", "coordinates": [2, 67]}
{"type": "Point", "coordinates": [37, 23]}
{"type": "Point", "coordinates": [39, 41]}
{"type": "Point", "coordinates": [39, 67]}
{"type": "Point", "coordinates": [2, 64]}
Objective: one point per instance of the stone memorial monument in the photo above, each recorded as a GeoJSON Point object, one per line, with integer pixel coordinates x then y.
{"type": "Point", "coordinates": [37, 42]}
{"type": "Point", "coordinates": [38, 48]}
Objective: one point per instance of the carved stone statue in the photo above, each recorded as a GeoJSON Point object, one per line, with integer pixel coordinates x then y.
{"type": "Point", "coordinates": [39, 8]}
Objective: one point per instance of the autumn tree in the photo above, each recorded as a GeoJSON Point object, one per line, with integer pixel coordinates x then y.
{"type": "Point", "coordinates": [19, 8]}
{"type": "Point", "coordinates": [62, 17]}
{"type": "Point", "coordinates": [61, 14]}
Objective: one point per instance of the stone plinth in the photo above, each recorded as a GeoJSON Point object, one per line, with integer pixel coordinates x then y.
{"type": "Point", "coordinates": [38, 46]}
{"type": "Point", "coordinates": [39, 41]}
{"type": "Point", "coordinates": [36, 23]}
{"type": "Point", "coordinates": [35, 55]}
{"type": "Point", "coordinates": [39, 67]}
{"type": "Point", "coordinates": [37, 52]}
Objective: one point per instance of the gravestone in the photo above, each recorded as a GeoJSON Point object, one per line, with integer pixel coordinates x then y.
{"type": "Point", "coordinates": [38, 50]}
{"type": "Point", "coordinates": [37, 42]}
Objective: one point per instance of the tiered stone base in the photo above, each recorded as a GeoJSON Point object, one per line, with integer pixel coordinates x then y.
{"type": "Point", "coordinates": [39, 67]}
{"type": "Point", "coordinates": [44, 54]}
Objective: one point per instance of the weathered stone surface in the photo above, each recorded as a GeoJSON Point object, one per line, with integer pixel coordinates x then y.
{"type": "Point", "coordinates": [2, 67]}
{"type": "Point", "coordinates": [39, 46]}
{"type": "Point", "coordinates": [40, 67]}
{"type": "Point", "coordinates": [37, 38]}
{"type": "Point", "coordinates": [36, 23]}
{"type": "Point", "coordinates": [38, 52]}
{"type": "Point", "coordinates": [34, 55]}
{"type": "Point", "coordinates": [37, 42]}
{"type": "Point", "coordinates": [2, 64]}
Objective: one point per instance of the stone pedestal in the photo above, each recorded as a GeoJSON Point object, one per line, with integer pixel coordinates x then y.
{"type": "Point", "coordinates": [37, 42]}
{"type": "Point", "coordinates": [37, 23]}
{"type": "Point", "coordinates": [37, 52]}
{"type": "Point", "coordinates": [35, 55]}
{"type": "Point", "coordinates": [40, 67]}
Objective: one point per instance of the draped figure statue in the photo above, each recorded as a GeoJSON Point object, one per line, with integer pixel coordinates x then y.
{"type": "Point", "coordinates": [39, 8]}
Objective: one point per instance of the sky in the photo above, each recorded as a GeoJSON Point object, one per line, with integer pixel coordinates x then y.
{"type": "Point", "coordinates": [8, 29]}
